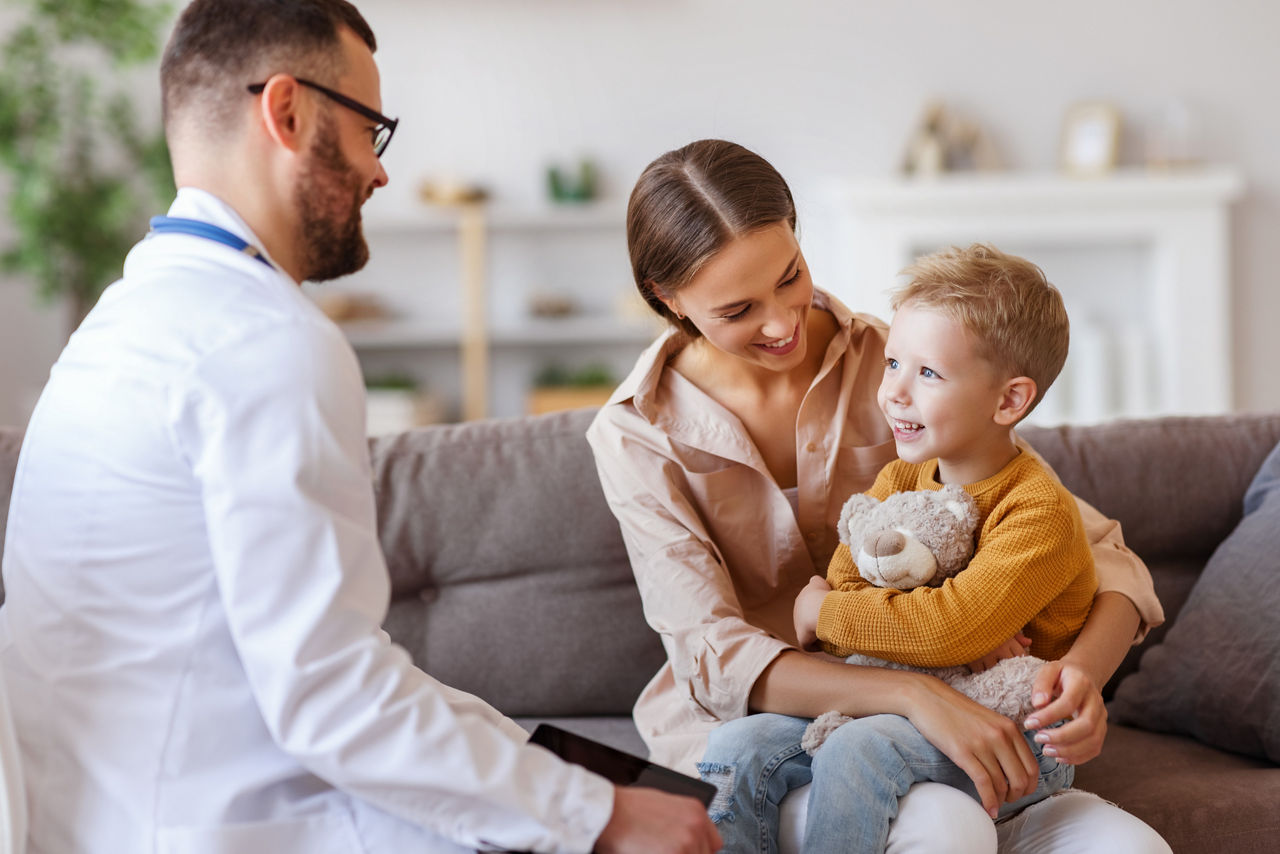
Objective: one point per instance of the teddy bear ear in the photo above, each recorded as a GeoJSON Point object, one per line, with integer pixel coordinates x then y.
{"type": "Point", "coordinates": [961, 504]}
{"type": "Point", "coordinates": [857, 505]}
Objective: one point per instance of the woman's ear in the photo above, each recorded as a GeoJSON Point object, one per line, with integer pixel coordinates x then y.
{"type": "Point", "coordinates": [282, 111]}
{"type": "Point", "coordinates": [669, 301]}
{"type": "Point", "coordinates": [1015, 400]}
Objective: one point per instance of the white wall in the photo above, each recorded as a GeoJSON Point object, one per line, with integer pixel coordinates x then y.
{"type": "Point", "coordinates": [494, 90]}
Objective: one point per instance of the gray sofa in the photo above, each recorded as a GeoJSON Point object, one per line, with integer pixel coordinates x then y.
{"type": "Point", "coordinates": [511, 581]}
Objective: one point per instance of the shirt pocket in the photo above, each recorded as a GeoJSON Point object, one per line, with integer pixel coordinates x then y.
{"type": "Point", "coordinates": [321, 833]}
{"type": "Point", "coordinates": [858, 465]}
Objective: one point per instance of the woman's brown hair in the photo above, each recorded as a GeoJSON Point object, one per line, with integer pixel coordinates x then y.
{"type": "Point", "coordinates": [688, 205]}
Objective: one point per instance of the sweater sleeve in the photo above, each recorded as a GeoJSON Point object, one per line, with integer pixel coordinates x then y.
{"type": "Point", "coordinates": [1031, 555]}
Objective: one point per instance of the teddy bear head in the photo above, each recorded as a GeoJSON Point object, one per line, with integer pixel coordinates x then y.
{"type": "Point", "coordinates": [911, 538]}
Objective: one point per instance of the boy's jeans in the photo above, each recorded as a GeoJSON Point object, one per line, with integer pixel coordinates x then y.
{"type": "Point", "coordinates": [858, 775]}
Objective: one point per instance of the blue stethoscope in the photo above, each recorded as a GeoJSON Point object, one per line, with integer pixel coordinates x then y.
{"type": "Point", "coordinates": [196, 228]}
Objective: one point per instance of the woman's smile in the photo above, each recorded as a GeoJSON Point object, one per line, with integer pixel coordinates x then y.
{"type": "Point", "coordinates": [785, 346]}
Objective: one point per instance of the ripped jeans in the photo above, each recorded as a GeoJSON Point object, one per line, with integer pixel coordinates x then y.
{"type": "Point", "coordinates": [858, 775]}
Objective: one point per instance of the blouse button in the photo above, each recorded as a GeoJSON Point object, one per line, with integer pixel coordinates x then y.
{"type": "Point", "coordinates": [811, 447]}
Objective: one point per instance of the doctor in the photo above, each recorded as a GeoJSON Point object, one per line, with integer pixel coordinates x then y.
{"type": "Point", "coordinates": [191, 641]}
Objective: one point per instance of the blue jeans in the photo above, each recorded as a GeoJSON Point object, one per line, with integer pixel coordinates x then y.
{"type": "Point", "coordinates": [858, 775]}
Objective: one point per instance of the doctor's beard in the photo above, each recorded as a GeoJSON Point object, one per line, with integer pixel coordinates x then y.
{"type": "Point", "coordinates": [328, 198]}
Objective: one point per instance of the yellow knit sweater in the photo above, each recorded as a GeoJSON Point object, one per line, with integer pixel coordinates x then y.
{"type": "Point", "coordinates": [1032, 571]}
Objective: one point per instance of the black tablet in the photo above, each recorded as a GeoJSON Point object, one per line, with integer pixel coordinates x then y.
{"type": "Point", "coordinates": [619, 767]}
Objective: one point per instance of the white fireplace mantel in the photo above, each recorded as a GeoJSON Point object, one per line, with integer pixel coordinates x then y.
{"type": "Point", "coordinates": [1178, 221]}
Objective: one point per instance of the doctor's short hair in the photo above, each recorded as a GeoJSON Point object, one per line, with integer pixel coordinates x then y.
{"type": "Point", "coordinates": [1016, 318]}
{"type": "Point", "coordinates": [220, 47]}
{"type": "Point", "coordinates": [688, 205]}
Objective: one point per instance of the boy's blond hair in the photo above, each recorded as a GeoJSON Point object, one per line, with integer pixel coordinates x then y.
{"type": "Point", "coordinates": [1016, 317]}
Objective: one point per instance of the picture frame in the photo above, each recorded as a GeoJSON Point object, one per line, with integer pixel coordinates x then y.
{"type": "Point", "coordinates": [1090, 138]}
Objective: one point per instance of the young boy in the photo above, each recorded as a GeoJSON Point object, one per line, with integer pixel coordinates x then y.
{"type": "Point", "coordinates": [977, 338]}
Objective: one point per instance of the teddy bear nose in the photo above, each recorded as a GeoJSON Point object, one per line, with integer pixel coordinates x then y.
{"type": "Point", "coordinates": [884, 543]}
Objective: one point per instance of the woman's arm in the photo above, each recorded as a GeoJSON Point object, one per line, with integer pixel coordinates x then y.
{"type": "Point", "coordinates": [1070, 688]}
{"type": "Point", "coordinates": [986, 746]}
{"type": "Point", "coordinates": [688, 593]}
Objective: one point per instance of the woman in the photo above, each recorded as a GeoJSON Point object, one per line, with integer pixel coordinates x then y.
{"type": "Point", "coordinates": [726, 456]}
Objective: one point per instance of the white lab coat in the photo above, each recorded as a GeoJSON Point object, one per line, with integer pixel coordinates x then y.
{"type": "Point", "coordinates": [191, 642]}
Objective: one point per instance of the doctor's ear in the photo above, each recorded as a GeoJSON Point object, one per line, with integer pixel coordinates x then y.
{"type": "Point", "coordinates": [283, 111]}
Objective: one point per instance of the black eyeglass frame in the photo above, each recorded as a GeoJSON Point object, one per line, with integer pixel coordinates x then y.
{"type": "Point", "coordinates": [380, 142]}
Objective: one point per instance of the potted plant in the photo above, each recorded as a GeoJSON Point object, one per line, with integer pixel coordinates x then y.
{"type": "Point", "coordinates": [82, 173]}
{"type": "Point", "coordinates": [556, 388]}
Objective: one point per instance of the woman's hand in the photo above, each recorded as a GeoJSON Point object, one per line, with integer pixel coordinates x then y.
{"type": "Point", "coordinates": [988, 747]}
{"type": "Point", "coordinates": [1012, 648]}
{"type": "Point", "coordinates": [1064, 692]}
{"type": "Point", "coordinates": [805, 611]}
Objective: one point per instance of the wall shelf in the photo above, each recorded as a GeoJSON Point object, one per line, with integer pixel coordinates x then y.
{"type": "Point", "coordinates": [392, 335]}
{"type": "Point", "coordinates": [461, 283]}
{"type": "Point", "coordinates": [431, 220]}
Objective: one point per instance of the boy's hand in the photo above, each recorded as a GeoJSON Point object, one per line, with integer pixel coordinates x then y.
{"type": "Point", "coordinates": [1012, 648]}
{"type": "Point", "coordinates": [805, 613]}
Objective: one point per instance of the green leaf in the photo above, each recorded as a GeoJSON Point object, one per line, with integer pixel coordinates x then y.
{"type": "Point", "coordinates": [84, 173]}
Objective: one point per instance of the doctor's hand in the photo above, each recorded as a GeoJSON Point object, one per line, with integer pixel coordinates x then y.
{"type": "Point", "coordinates": [647, 821]}
{"type": "Point", "coordinates": [805, 611]}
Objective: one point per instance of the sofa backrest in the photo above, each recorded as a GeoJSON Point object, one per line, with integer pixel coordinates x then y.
{"type": "Point", "coordinates": [511, 581]}
{"type": "Point", "coordinates": [509, 572]}
{"type": "Point", "coordinates": [1175, 484]}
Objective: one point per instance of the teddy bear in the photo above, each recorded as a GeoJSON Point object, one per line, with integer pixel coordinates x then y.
{"type": "Point", "coordinates": [922, 538]}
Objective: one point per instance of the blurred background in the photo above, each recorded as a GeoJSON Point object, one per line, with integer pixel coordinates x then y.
{"type": "Point", "coordinates": [1128, 147]}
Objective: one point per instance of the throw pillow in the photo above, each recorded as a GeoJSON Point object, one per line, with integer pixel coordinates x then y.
{"type": "Point", "coordinates": [1216, 676]}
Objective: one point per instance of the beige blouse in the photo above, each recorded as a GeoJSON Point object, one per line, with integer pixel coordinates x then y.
{"type": "Point", "coordinates": [719, 555]}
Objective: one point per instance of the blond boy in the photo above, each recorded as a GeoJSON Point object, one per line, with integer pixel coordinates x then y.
{"type": "Point", "coordinates": [977, 338]}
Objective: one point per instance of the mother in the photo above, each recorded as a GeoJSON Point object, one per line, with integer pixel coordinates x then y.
{"type": "Point", "coordinates": [726, 456]}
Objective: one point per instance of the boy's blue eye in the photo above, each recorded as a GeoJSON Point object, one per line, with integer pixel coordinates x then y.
{"type": "Point", "coordinates": [928, 373]}
{"type": "Point", "coordinates": [891, 364]}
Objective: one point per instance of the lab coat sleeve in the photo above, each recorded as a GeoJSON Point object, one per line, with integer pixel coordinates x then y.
{"type": "Point", "coordinates": [272, 421]}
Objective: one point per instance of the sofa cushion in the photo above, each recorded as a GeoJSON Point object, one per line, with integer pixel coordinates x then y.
{"type": "Point", "coordinates": [1216, 675]}
{"type": "Point", "coordinates": [498, 531]}
{"type": "Point", "coordinates": [1197, 797]}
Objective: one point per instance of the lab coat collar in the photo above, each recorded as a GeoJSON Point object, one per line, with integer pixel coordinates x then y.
{"type": "Point", "coordinates": [195, 203]}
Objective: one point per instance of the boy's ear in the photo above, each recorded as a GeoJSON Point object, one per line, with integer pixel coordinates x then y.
{"type": "Point", "coordinates": [1015, 399]}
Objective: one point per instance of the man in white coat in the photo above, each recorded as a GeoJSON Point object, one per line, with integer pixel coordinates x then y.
{"type": "Point", "coordinates": [191, 643]}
